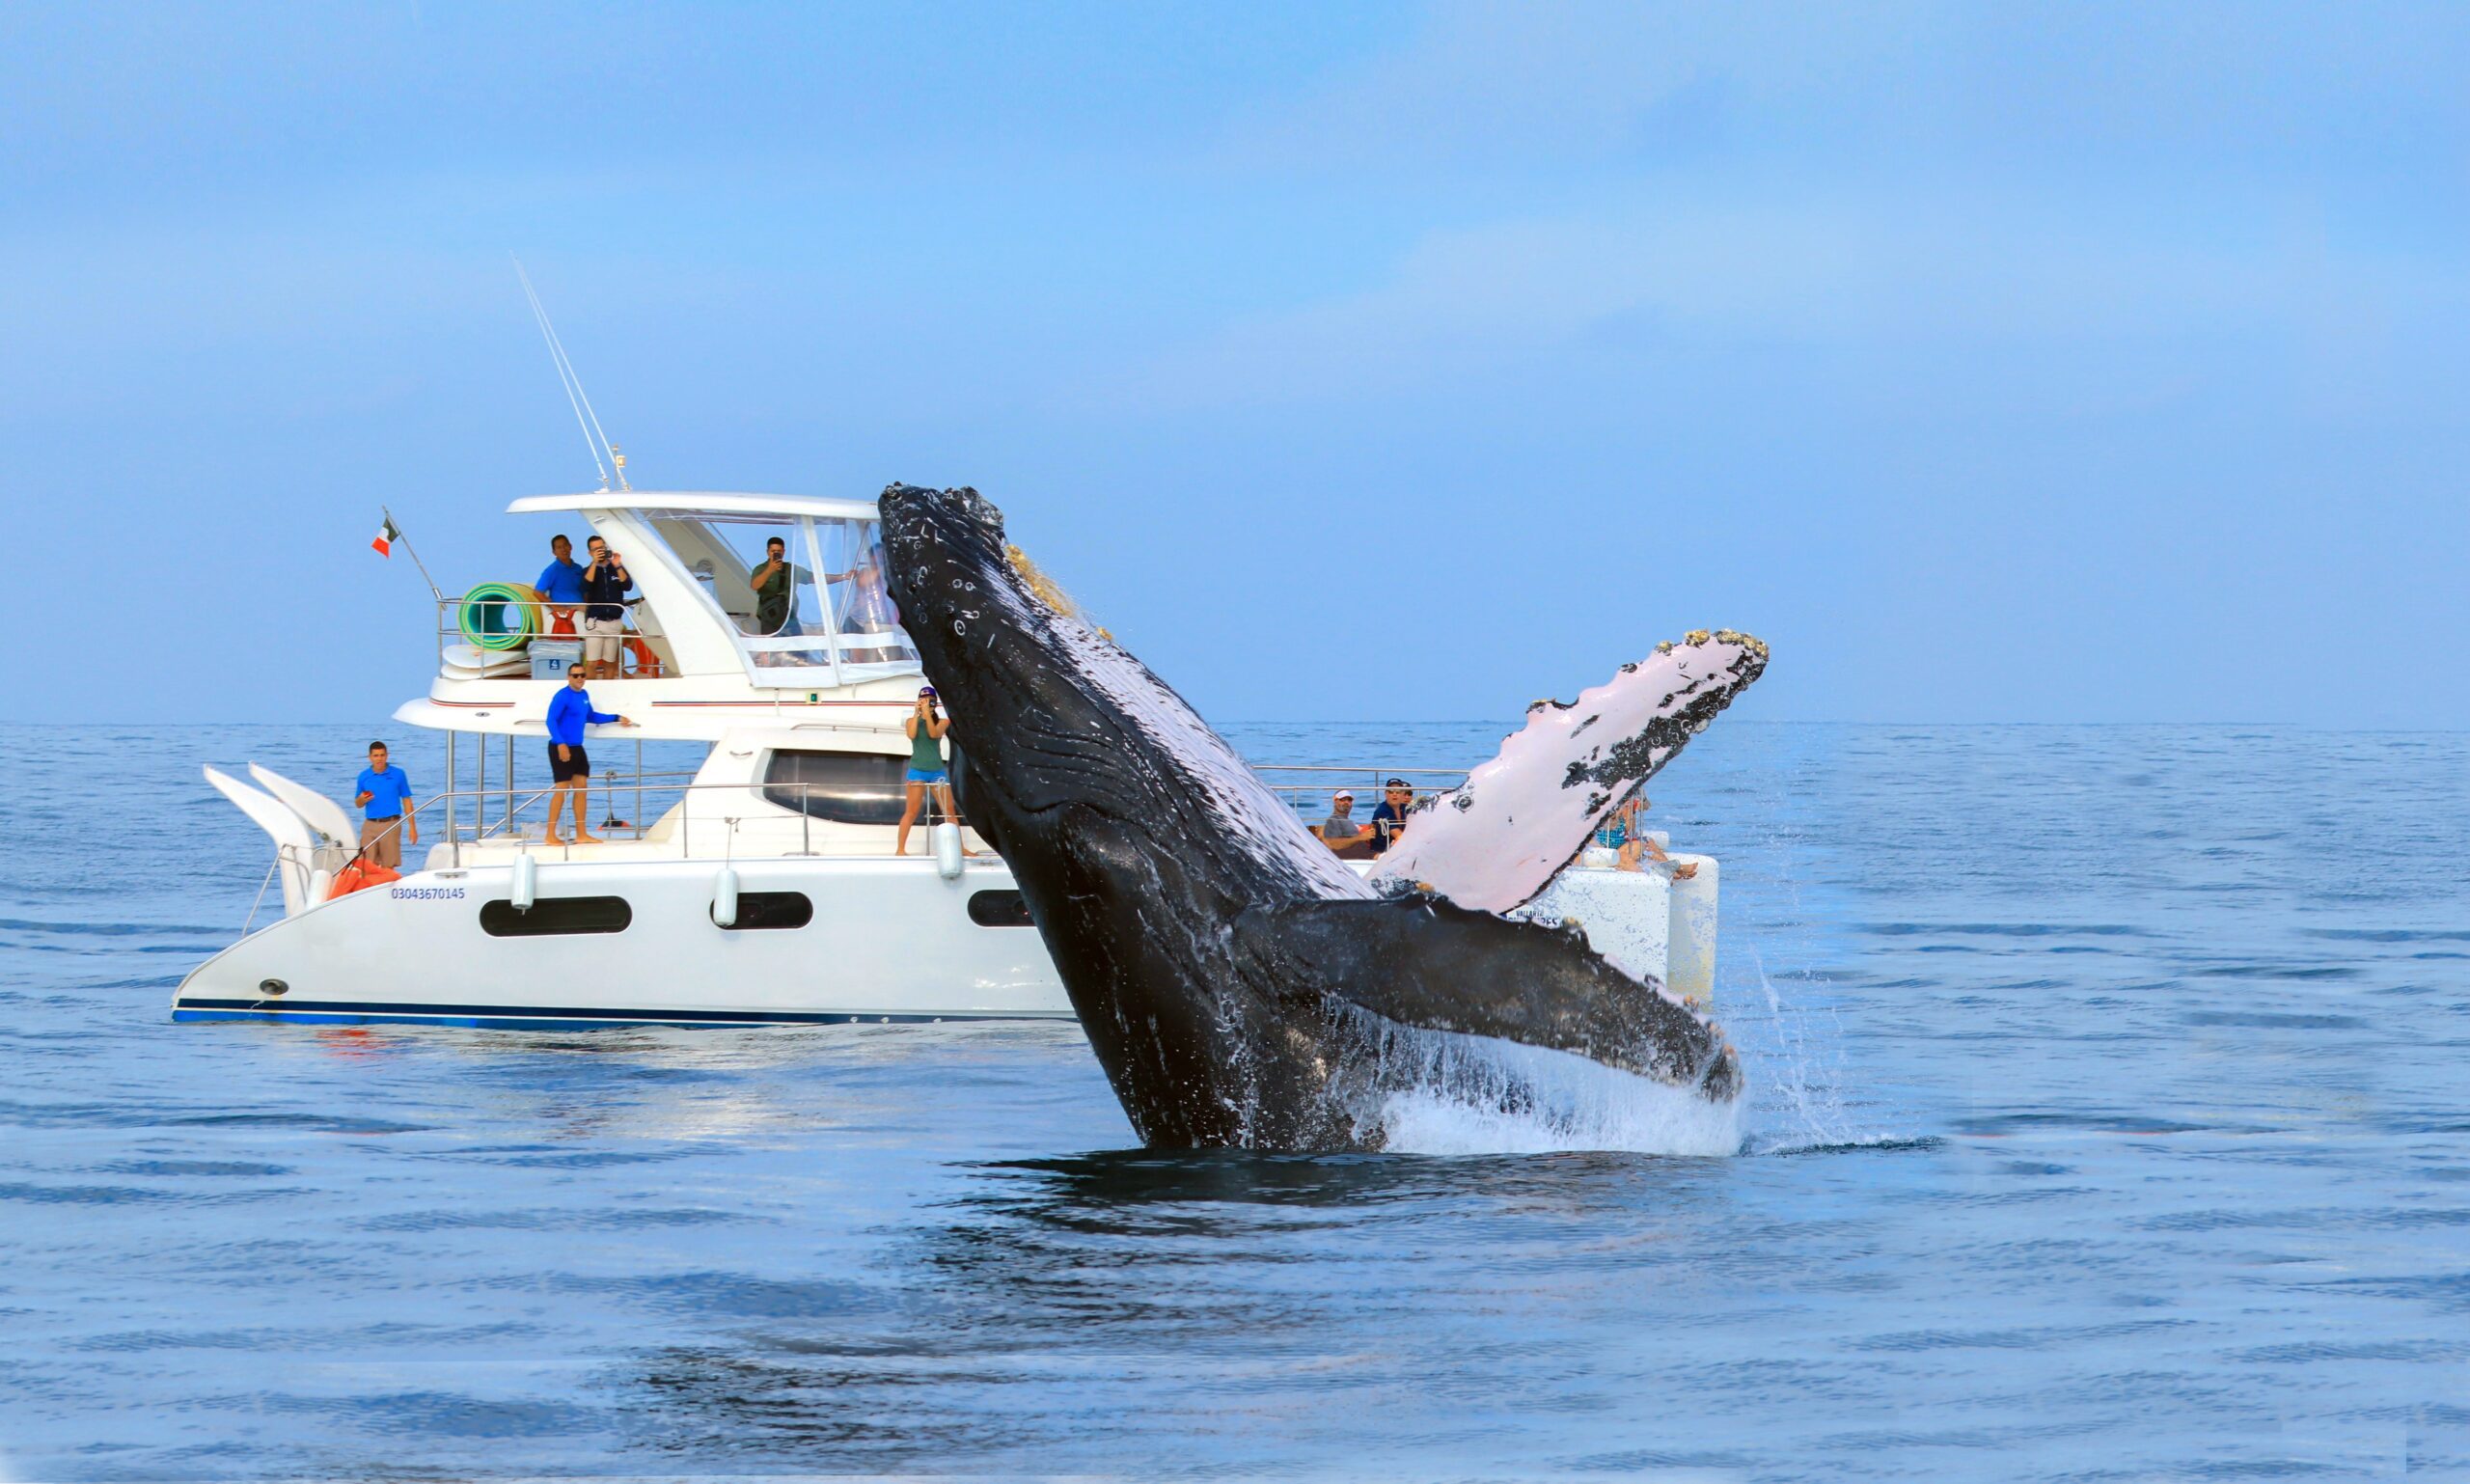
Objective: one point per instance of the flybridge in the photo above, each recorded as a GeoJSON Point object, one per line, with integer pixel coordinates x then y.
{"type": "Point", "coordinates": [719, 620]}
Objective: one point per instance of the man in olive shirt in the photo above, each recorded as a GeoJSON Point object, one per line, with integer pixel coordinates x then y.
{"type": "Point", "coordinates": [771, 584]}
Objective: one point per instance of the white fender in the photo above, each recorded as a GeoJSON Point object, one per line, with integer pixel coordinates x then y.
{"type": "Point", "coordinates": [1691, 961]}
{"type": "Point", "coordinates": [294, 842]}
{"type": "Point", "coordinates": [324, 815]}
{"type": "Point", "coordinates": [527, 882]}
{"type": "Point", "coordinates": [947, 850]}
{"type": "Point", "coordinates": [725, 897]}
{"type": "Point", "coordinates": [321, 885]}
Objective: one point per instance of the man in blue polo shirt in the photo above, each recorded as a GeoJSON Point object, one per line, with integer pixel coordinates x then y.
{"type": "Point", "coordinates": [384, 796]}
{"type": "Point", "coordinates": [569, 768]}
{"type": "Point", "coordinates": [561, 588]}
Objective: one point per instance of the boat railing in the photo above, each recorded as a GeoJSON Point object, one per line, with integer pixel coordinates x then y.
{"type": "Point", "coordinates": [537, 616]}
{"type": "Point", "coordinates": [1307, 788]}
{"type": "Point", "coordinates": [798, 640]}
{"type": "Point", "coordinates": [511, 816]}
{"type": "Point", "coordinates": [506, 814]}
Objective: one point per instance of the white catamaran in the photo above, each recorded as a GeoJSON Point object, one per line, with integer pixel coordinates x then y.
{"type": "Point", "coordinates": [763, 888]}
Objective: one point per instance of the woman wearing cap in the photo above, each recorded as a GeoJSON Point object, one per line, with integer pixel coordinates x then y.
{"type": "Point", "coordinates": [1389, 819]}
{"type": "Point", "coordinates": [926, 770]}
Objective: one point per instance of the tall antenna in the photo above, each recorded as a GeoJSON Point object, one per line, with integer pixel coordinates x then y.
{"type": "Point", "coordinates": [585, 417]}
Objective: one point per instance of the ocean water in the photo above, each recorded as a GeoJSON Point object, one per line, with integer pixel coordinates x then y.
{"type": "Point", "coordinates": [2108, 1120]}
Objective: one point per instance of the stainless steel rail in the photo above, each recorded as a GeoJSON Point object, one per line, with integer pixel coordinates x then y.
{"type": "Point", "coordinates": [847, 641]}
{"type": "Point", "coordinates": [520, 808]}
{"type": "Point", "coordinates": [655, 794]}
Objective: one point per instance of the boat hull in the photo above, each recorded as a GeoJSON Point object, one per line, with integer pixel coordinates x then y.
{"type": "Point", "coordinates": [889, 940]}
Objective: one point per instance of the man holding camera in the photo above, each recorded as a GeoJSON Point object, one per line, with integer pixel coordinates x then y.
{"type": "Point", "coordinates": [605, 584]}
{"type": "Point", "coordinates": [771, 580]}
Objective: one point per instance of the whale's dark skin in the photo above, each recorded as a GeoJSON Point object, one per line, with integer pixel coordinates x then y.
{"type": "Point", "coordinates": [1230, 975]}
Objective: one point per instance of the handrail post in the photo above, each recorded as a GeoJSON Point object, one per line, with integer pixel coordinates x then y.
{"type": "Point", "coordinates": [454, 840]}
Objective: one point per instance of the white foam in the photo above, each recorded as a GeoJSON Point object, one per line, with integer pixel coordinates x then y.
{"type": "Point", "coordinates": [1439, 1092]}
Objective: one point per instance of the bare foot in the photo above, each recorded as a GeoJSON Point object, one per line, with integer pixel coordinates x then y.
{"type": "Point", "coordinates": [551, 839]}
{"type": "Point", "coordinates": [581, 838]}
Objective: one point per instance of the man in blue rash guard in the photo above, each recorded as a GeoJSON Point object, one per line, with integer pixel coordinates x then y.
{"type": "Point", "coordinates": [569, 769]}
{"type": "Point", "coordinates": [561, 588]}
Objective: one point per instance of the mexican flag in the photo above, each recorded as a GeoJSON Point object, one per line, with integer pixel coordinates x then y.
{"type": "Point", "coordinates": [387, 536]}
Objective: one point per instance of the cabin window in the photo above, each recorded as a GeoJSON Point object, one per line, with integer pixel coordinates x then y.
{"type": "Point", "coordinates": [998, 909]}
{"type": "Point", "coordinates": [829, 614]}
{"type": "Point", "coordinates": [773, 909]}
{"type": "Point", "coordinates": [842, 788]}
{"type": "Point", "coordinates": [554, 916]}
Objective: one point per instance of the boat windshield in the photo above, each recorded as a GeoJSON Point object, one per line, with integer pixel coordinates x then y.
{"type": "Point", "coordinates": [805, 595]}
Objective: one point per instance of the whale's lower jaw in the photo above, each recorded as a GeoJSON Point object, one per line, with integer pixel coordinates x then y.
{"type": "Point", "coordinates": [1316, 1080]}
{"type": "Point", "coordinates": [1224, 1024]}
{"type": "Point", "coordinates": [1237, 986]}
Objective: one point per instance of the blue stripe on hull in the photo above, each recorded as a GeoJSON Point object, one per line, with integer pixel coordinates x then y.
{"type": "Point", "coordinates": [502, 1017]}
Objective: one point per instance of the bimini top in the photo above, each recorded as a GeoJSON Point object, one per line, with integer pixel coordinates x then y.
{"type": "Point", "coordinates": [689, 500]}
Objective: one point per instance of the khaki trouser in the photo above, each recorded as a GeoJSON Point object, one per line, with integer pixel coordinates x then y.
{"type": "Point", "coordinates": [381, 842]}
{"type": "Point", "coordinates": [601, 638]}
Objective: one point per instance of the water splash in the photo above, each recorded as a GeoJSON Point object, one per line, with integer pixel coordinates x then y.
{"type": "Point", "coordinates": [1420, 1092]}
{"type": "Point", "coordinates": [1803, 1079]}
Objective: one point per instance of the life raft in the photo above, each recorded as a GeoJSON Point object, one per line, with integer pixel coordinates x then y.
{"type": "Point", "coordinates": [361, 874]}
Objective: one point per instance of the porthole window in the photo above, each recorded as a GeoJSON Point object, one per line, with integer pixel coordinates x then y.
{"type": "Point", "coordinates": [773, 909]}
{"type": "Point", "coordinates": [998, 909]}
{"type": "Point", "coordinates": [554, 916]}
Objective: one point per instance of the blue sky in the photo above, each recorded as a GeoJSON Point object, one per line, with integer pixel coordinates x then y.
{"type": "Point", "coordinates": [1994, 361]}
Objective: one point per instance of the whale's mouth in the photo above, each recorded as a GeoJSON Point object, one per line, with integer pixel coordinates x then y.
{"type": "Point", "coordinates": [1410, 1090]}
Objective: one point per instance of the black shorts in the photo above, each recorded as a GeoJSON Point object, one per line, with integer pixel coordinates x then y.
{"type": "Point", "coordinates": [577, 764]}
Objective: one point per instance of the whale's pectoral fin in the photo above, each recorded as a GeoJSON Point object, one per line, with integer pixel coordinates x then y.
{"type": "Point", "coordinates": [1427, 962]}
{"type": "Point", "coordinates": [1499, 838]}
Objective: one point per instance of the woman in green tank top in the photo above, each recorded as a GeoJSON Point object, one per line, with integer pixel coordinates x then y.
{"type": "Point", "coordinates": [925, 728]}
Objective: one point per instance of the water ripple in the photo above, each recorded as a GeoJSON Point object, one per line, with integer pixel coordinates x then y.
{"type": "Point", "coordinates": [2148, 1166]}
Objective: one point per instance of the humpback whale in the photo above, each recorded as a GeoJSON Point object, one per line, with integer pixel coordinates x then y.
{"type": "Point", "coordinates": [1237, 981]}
